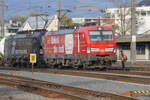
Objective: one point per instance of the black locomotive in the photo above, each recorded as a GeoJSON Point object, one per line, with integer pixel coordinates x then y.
{"type": "Point", "coordinates": [18, 48]}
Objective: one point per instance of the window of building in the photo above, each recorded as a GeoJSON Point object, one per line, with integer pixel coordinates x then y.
{"type": "Point", "coordinates": [12, 30]}
{"type": "Point", "coordinates": [137, 13]}
{"type": "Point", "coordinates": [143, 13]}
{"type": "Point", "coordinates": [140, 49]}
{"type": "Point", "coordinates": [88, 20]}
{"type": "Point", "coordinates": [148, 13]}
{"type": "Point", "coordinates": [125, 47]}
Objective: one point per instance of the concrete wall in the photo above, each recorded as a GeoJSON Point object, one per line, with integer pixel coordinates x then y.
{"type": "Point", "coordinates": [141, 57]}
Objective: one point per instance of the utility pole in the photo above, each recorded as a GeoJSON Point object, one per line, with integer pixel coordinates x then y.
{"type": "Point", "coordinates": [133, 31]}
{"type": "Point", "coordinates": [59, 13]}
{"type": "Point", "coordinates": [2, 5]}
{"type": "Point", "coordinates": [36, 18]}
{"type": "Point", "coordinates": [99, 20]}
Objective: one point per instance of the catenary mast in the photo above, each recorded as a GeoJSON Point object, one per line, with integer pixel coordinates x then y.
{"type": "Point", "coordinates": [2, 18]}
{"type": "Point", "coordinates": [133, 31]}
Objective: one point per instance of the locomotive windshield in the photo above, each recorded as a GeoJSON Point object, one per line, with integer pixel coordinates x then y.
{"type": "Point", "coordinates": [101, 35]}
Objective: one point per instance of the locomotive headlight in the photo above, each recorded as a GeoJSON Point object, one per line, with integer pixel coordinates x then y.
{"type": "Point", "coordinates": [95, 49]}
{"type": "Point", "coordinates": [109, 49]}
{"type": "Point", "coordinates": [115, 50]}
{"type": "Point", "coordinates": [88, 50]}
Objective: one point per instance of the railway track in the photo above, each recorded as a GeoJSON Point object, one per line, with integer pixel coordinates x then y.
{"type": "Point", "coordinates": [53, 90]}
{"type": "Point", "coordinates": [131, 77]}
{"type": "Point", "coordinates": [140, 77]}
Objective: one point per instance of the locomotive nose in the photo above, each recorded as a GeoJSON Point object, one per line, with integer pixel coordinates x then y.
{"type": "Point", "coordinates": [102, 49]}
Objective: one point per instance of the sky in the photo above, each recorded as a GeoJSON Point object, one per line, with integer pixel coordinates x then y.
{"type": "Point", "coordinates": [25, 7]}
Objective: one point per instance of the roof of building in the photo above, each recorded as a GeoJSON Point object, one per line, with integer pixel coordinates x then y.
{"type": "Point", "coordinates": [139, 38]}
{"type": "Point", "coordinates": [39, 22]}
{"type": "Point", "coordinates": [144, 3]}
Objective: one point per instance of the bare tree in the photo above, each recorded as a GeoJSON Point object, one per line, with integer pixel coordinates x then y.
{"type": "Point", "coordinates": [122, 16]}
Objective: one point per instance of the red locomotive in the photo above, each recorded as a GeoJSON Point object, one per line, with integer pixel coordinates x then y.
{"type": "Point", "coordinates": [81, 47]}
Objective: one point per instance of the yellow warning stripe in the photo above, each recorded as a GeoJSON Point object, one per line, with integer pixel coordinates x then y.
{"type": "Point", "coordinates": [53, 95]}
{"type": "Point", "coordinates": [137, 93]}
{"type": "Point", "coordinates": [142, 91]}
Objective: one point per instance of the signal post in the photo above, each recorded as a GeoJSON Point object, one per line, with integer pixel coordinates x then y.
{"type": "Point", "coordinates": [33, 60]}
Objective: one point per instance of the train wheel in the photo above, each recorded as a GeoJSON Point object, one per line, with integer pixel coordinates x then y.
{"type": "Point", "coordinates": [84, 66]}
{"type": "Point", "coordinates": [59, 66]}
{"type": "Point", "coordinates": [53, 62]}
{"type": "Point", "coordinates": [75, 66]}
{"type": "Point", "coordinates": [102, 62]}
{"type": "Point", "coordinates": [13, 65]}
{"type": "Point", "coordinates": [80, 67]}
{"type": "Point", "coordinates": [76, 62]}
{"type": "Point", "coordinates": [51, 66]}
{"type": "Point", "coordinates": [109, 63]}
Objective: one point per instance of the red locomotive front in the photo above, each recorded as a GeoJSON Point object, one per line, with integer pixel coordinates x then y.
{"type": "Point", "coordinates": [81, 47]}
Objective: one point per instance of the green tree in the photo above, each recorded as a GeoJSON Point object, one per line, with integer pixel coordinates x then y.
{"type": "Point", "coordinates": [33, 14]}
{"type": "Point", "coordinates": [66, 21]}
{"type": "Point", "coordinates": [123, 13]}
{"type": "Point", "coordinates": [19, 18]}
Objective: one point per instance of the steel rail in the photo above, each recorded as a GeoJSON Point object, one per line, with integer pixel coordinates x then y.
{"type": "Point", "coordinates": [54, 90]}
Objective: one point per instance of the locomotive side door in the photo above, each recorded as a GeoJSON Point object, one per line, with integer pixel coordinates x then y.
{"type": "Point", "coordinates": [13, 47]}
{"type": "Point", "coordinates": [69, 43]}
{"type": "Point", "coordinates": [82, 43]}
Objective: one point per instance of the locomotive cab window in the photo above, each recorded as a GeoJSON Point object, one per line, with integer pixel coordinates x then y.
{"type": "Point", "coordinates": [107, 35]}
{"type": "Point", "coordinates": [101, 35]}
